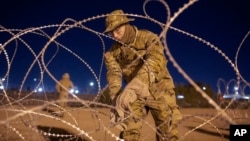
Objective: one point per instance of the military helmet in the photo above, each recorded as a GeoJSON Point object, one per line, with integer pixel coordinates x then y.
{"type": "Point", "coordinates": [115, 19]}
{"type": "Point", "coordinates": [66, 75]}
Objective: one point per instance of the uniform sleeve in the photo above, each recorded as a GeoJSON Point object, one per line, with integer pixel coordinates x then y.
{"type": "Point", "coordinates": [114, 74]}
{"type": "Point", "coordinates": [154, 59]}
{"type": "Point", "coordinates": [57, 88]}
{"type": "Point", "coordinates": [71, 85]}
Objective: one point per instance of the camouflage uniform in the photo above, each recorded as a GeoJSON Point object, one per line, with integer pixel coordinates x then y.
{"type": "Point", "coordinates": [64, 89]}
{"type": "Point", "coordinates": [142, 64]}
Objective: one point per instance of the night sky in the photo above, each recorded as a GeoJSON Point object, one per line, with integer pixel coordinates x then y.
{"type": "Point", "coordinates": [223, 23]}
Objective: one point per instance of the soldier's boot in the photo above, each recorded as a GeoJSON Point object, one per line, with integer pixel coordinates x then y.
{"type": "Point", "coordinates": [130, 135]}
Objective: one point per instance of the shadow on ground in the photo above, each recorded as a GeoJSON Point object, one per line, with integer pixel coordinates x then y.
{"type": "Point", "coordinates": [52, 112]}
{"type": "Point", "coordinates": [212, 133]}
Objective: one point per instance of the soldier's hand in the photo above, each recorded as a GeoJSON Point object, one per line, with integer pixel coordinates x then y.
{"type": "Point", "coordinates": [135, 89]}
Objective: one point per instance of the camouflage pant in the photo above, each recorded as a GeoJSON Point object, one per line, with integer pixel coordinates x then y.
{"type": "Point", "coordinates": [166, 118]}
{"type": "Point", "coordinates": [63, 97]}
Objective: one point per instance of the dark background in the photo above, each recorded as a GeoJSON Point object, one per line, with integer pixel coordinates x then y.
{"type": "Point", "coordinates": [223, 23]}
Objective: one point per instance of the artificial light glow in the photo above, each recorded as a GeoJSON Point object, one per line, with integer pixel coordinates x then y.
{"type": "Point", "coordinates": [236, 88]}
{"type": "Point", "coordinates": [204, 88]}
{"type": "Point", "coordinates": [76, 91]}
{"type": "Point", "coordinates": [180, 96]}
{"type": "Point", "coordinates": [91, 83]}
{"type": "Point", "coordinates": [40, 89]}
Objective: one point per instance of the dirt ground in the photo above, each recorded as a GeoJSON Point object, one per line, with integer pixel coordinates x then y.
{"type": "Point", "coordinates": [80, 124]}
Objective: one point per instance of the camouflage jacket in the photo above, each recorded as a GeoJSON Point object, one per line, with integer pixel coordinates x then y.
{"type": "Point", "coordinates": [65, 82]}
{"type": "Point", "coordinates": [143, 58]}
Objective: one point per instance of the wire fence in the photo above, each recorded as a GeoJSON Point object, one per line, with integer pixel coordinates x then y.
{"type": "Point", "coordinates": [29, 115]}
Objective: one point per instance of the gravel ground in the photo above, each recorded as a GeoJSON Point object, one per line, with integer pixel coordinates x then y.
{"type": "Point", "coordinates": [80, 124]}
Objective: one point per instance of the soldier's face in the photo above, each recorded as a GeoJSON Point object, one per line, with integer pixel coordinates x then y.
{"type": "Point", "coordinates": [118, 32]}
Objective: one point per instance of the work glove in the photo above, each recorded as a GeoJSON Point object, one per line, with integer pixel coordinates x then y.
{"type": "Point", "coordinates": [116, 120]}
{"type": "Point", "coordinates": [134, 90]}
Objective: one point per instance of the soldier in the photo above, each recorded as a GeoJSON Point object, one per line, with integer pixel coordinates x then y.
{"type": "Point", "coordinates": [63, 89]}
{"type": "Point", "coordinates": [137, 56]}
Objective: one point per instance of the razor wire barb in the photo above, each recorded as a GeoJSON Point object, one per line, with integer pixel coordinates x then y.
{"type": "Point", "coordinates": [61, 29]}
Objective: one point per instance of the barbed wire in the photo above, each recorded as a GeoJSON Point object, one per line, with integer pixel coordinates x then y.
{"type": "Point", "coordinates": [31, 115]}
